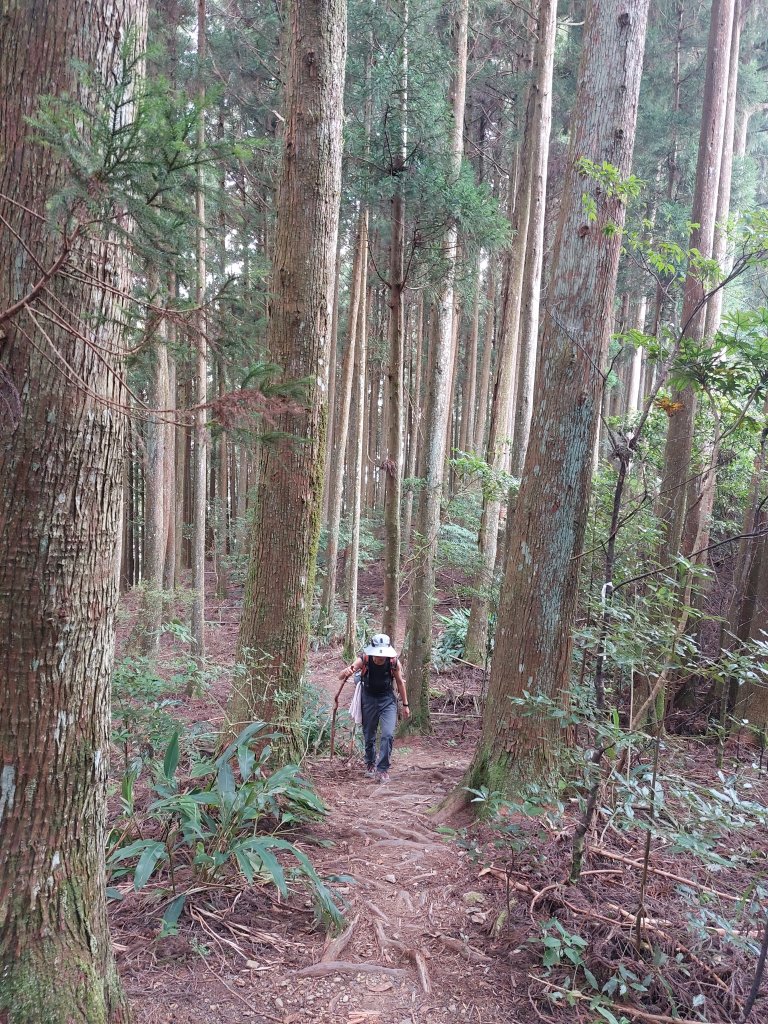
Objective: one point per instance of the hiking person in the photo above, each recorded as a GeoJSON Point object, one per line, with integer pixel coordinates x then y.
{"type": "Point", "coordinates": [380, 671]}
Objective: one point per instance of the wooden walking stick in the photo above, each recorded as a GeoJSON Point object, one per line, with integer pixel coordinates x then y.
{"type": "Point", "coordinates": [333, 728]}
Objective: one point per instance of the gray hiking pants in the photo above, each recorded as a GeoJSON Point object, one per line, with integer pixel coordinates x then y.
{"type": "Point", "coordinates": [379, 711]}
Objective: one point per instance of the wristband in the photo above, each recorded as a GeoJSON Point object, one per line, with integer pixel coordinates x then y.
{"type": "Point", "coordinates": [406, 705]}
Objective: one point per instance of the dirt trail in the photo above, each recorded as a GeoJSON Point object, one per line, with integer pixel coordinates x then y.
{"type": "Point", "coordinates": [408, 903]}
{"type": "Point", "coordinates": [416, 950]}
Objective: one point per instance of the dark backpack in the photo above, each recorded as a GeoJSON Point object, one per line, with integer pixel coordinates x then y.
{"type": "Point", "coordinates": [378, 691]}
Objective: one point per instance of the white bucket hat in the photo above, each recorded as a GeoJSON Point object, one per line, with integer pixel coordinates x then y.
{"type": "Point", "coordinates": [380, 647]}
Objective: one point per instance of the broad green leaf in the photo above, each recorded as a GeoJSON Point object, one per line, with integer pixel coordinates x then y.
{"type": "Point", "coordinates": [171, 759]}
{"type": "Point", "coordinates": [590, 978]}
{"type": "Point", "coordinates": [175, 907]}
{"type": "Point", "coordinates": [246, 865]}
{"type": "Point", "coordinates": [225, 784]}
{"type": "Point", "coordinates": [606, 1013]}
{"type": "Point", "coordinates": [138, 846]}
{"type": "Point", "coordinates": [147, 863]}
{"type": "Point", "coordinates": [242, 738]}
{"type": "Point", "coordinates": [245, 761]}
{"type": "Point", "coordinates": [261, 849]}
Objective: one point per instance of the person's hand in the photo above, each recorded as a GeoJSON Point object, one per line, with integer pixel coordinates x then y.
{"type": "Point", "coordinates": [406, 711]}
{"type": "Point", "coordinates": [344, 675]}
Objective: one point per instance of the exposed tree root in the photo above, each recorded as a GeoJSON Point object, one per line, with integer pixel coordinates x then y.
{"type": "Point", "coordinates": [474, 956]}
{"type": "Point", "coordinates": [336, 946]}
{"type": "Point", "coordinates": [347, 967]}
{"type": "Point", "coordinates": [414, 955]}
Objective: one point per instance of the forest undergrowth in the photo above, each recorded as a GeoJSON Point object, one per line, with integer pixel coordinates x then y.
{"type": "Point", "coordinates": [243, 893]}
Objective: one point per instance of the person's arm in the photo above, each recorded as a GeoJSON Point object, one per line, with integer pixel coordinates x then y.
{"type": "Point", "coordinates": [400, 682]}
{"type": "Point", "coordinates": [350, 670]}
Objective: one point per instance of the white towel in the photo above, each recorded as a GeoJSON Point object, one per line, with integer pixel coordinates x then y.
{"type": "Point", "coordinates": [356, 707]}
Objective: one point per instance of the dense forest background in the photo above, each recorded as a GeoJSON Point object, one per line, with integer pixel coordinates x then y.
{"type": "Point", "coordinates": [445, 320]}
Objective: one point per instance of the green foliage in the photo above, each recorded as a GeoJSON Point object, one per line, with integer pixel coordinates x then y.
{"type": "Point", "coordinates": [452, 638]}
{"type": "Point", "coordinates": [457, 547]}
{"type": "Point", "coordinates": [495, 484]}
{"type": "Point", "coordinates": [370, 544]}
{"type": "Point", "coordinates": [315, 725]}
{"type": "Point", "coordinates": [225, 815]}
{"type": "Point", "coordinates": [141, 703]}
{"type": "Point", "coordinates": [734, 368]}
{"type": "Point", "coordinates": [562, 946]}
{"type": "Point", "coordinates": [610, 179]}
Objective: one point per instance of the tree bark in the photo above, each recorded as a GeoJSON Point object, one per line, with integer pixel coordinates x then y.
{"type": "Point", "coordinates": [476, 644]}
{"type": "Point", "coordinates": [539, 591]}
{"type": "Point", "coordinates": [420, 624]}
{"type": "Point", "coordinates": [344, 399]}
{"type": "Point", "coordinates": [540, 128]}
{"type": "Point", "coordinates": [61, 456]}
{"type": "Point", "coordinates": [485, 364]}
{"type": "Point", "coordinates": [416, 416]}
{"type": "Point", "coordinates": [155, 525]}
{"type": "Point", "coordinates": [199, 469]}
{"type": "Point", "coordinates": [275, 624]}
{"type": "Point", "coordinates": [393, 463]}
{"type": "Point", "coordinates": [171, 509]}
{"type": "Point", "coordinates": [361, 355]}
{"type": "Point", "coordinates": [720, 240]}
{"type": "Point", "coordinates": [677, 452]}
{"type": "Point", "coordinates": [469, 391]}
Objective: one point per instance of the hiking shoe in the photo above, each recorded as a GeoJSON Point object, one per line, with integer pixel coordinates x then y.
{"type": "Point", "coordinates": [382, 778]}
{"type": "Point", "coordinates": [370, 771]}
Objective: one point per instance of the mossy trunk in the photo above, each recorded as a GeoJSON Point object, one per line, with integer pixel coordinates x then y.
{"type": "Point", "coordinates": [61, 451]}
{"type": "Point", "coordinates": [532, 657]}
{"type": "Point", "coordinates": [56, 981]}
{"type": "Point", "coordinates": [274, 630]}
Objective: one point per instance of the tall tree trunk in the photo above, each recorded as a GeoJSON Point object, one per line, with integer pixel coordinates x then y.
{"type": "Point", "coordinates": [420, 625]}
{"type": "Point", "coordinates": [485, 365]}
{"type": "Point", "coordinates": [61, 451]}
{"type": "Point", "coordinates": [155, 524]}
{"type": "Point", "coordinates": [201, 376]}
{"type": "Point", "coordinates": [720, 240]}
{"type": "Point", "coordinates": [539, 591]}
{"type": "Point", "coordinates": [701, 492]}
{"type": "Point", "coordinates": [344, 399]}
{"type": "Point", "coordinates": [415, 419]}
{"type": "Point", "coordinates": [540, 127]}
{"type": "Point", "coordinates": [371, 405]}
{"type": "Point", "coordinates": [169, 474]}
{"type": "Point", "coordinates": [361, 355]}
{"type": "Point", "coordinates": [221, 517]}
{"type": "Point", "coordinates": [677, 452]}
{"type": "Point", "coordinates": [393, 463]}
{"type": "Point", "coordinates": [332, 446]}
{"type": "Point", "coordinates": [502, 406]}
{"type": "Point", "coordinates": [275, 623]}
{"type": "Point", "coordinates": [476, 644]}
{"type": "Point", "coordinates": [634, 390]}
{"type": "Point", "coordinates": [469, 393]}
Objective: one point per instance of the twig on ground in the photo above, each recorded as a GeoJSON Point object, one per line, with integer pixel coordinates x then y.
{"type": "Point", "coordinates": [610, 855]}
